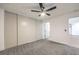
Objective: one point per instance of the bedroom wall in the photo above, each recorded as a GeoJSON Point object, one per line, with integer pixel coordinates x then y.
{"type": "Point", "coordinates": [28, 30]}
{"type": "Point", "coordinates": [58, 25]}
{"type": "Point", "coordinates": [10, 30]}
{"type": "Point", "coordinates": [1, 29]}
{"type": "Point", "coordinates": [20, 30]}
{"type": "Point", "coordinates": [39, 29]}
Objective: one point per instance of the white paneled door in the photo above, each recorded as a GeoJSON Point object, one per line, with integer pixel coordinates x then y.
{"type": "Point", "coordinates": [10, 30]}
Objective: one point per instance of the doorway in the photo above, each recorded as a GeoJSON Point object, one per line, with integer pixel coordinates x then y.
{"type": "Point", "coordinates": [45, 30]}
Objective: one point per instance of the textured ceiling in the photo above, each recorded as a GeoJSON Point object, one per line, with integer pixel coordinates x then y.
{"type": "Point", "coordinates": [24, 9]}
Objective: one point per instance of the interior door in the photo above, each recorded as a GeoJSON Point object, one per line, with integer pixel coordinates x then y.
{"type": "Point", "coordinates": [45, 30]}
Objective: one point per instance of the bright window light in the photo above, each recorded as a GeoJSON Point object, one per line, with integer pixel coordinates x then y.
{"type": "Point", "coordinates": [75, 29]}
{"type": "Point", "coordinates": [45, 30]}
{"type": "Point", "coordinates": [74, 26]}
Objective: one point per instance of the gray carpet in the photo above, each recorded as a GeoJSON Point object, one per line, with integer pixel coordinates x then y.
{"type": "Point", "coordinates": [41, 47]}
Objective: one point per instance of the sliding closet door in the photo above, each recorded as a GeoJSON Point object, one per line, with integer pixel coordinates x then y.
{"type": "Point", "coordinates": [10, 30]}
{"type": "Point", "coordinates": [27, 30]}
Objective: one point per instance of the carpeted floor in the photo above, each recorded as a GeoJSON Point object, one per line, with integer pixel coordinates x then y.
{"type": "Point", "coordinates": [41, 47]}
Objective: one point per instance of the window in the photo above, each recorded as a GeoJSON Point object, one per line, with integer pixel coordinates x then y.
{"type": "Point", "coordinates": [74, 26]}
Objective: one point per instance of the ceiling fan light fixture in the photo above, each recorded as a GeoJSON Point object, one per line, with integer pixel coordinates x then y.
{"type": "Point", "coordinates": [43, 14]}
{"type": "Point", "coordinates": [43, 11]}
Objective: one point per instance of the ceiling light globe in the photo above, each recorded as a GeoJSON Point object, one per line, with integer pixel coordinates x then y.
{"type": "Point", "coordinates": [43, 14]}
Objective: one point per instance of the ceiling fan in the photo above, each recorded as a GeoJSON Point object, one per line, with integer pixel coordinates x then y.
{"type": "Point", "coordinates": [43, 11]}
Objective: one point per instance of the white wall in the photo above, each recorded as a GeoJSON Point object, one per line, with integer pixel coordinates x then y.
{"type": "Point", "coordinates": [58, 25]}
{"type": "Point", "coordinates": [20, 30]}
{"type": "Point", "coordinates": [1, 29]}
{"type": "Point", "coordinates": [10, 30]}
{"type": "Point", "coordinates": [27, 30]}
{"type": "Point", "coordinates": [39, 29]}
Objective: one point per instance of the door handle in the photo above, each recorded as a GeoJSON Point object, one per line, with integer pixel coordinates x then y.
{"type": "Point", "coordinates": [65, 30]}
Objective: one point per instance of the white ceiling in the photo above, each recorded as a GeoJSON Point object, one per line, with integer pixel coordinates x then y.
{"type": "Point", "coordinates": [24, 9]}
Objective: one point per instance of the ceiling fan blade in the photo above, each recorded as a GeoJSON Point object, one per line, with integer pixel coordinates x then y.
{"type": "Point", "coordinates": [51, 8]}
{"type": "Point", "coordinates": [41, 6]}
{"type": "Point", "coordinates": [48, 14]}
{"type": "Point", "coordinates": [35, 11]}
